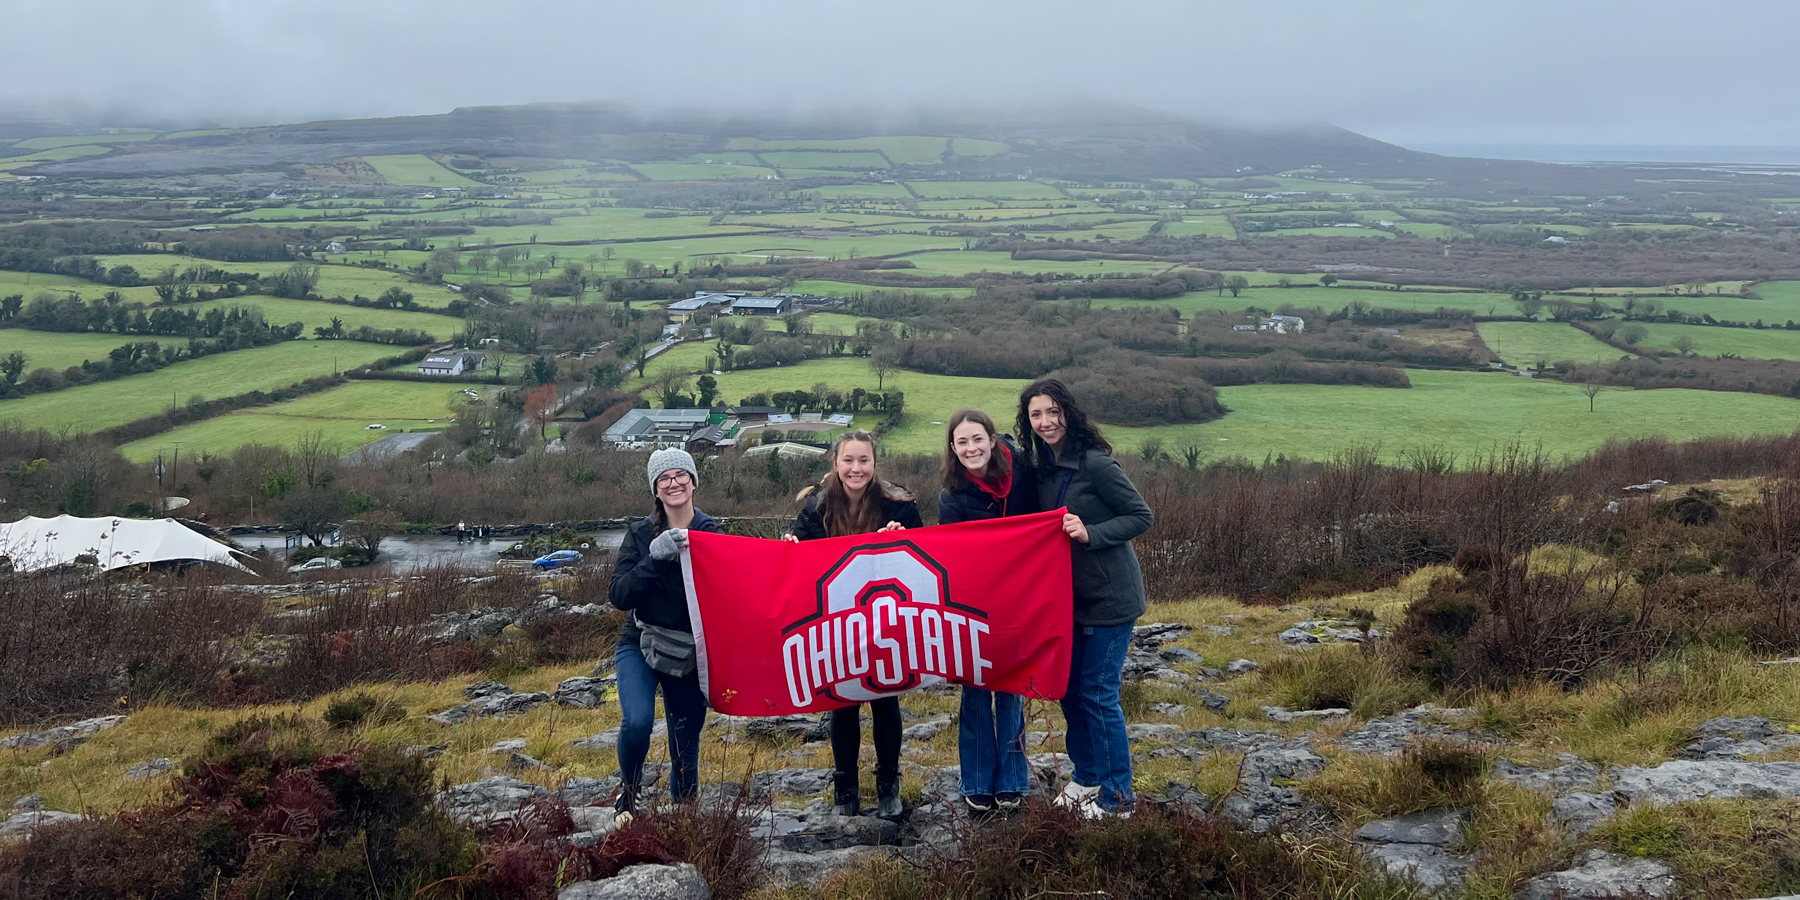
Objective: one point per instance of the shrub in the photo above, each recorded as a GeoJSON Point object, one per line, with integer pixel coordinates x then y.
{"type": "Point", "coordinates": [262, 812]}
{"type": "Point", "coordinates": [361, 709]}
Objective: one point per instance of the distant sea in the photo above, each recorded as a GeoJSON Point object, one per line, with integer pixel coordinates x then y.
{"type": "Point", "coordinates": [1712, 155]}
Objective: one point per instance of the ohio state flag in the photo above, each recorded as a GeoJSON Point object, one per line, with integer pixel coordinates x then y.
{"type": "Point", "coordinates": [783, 628]}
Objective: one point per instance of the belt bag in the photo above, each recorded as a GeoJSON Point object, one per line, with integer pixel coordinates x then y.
{"type": "Point", "coordinates": [666, 650]}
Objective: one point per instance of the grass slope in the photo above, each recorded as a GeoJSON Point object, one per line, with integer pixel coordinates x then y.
{"type": "Point", "coordinates": [1754, 343]}
{"type": "Point", "coordinates": [342, 414]}
{"type": "Point", "coordinates": [417, 169]}
{"type": "Point", "coordinates": [57, 350]}
{"type": "Point", "coordinates": [1526, 343]}
{"type": "Point", "coordinates": [96, 406]}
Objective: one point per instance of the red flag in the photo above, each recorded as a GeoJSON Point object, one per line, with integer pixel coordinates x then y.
{"type": "Point", "coordinates": [785, 628]}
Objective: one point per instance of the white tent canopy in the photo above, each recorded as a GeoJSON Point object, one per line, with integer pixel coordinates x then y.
{"type": "Point", "coordinates": [33, 543]}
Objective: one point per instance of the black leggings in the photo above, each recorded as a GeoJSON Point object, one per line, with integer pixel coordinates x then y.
{"type": "Point", "coordinates": [846, 740]}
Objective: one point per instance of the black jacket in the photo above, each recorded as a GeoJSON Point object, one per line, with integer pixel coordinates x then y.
{"type": "Point", "coordinates": [651, 589]}
{"type": "Point", "coordinates": [896, 506]}
{"type": "Point", "coordinates": [1109, 583]}
{"type": "Point", "coordinates": [972, 504]}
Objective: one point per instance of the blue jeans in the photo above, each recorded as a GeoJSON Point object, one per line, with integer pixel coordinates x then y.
{"type": "Point", "coordinates": [991, 741]}
{"type": "Point", "coordinates": [684, 711]}
{"type": "Point", "coordinates": [1097, 744]}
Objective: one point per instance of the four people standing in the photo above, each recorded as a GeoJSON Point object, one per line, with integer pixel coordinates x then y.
{"type": "Point", "coordinates": [1065, 462]}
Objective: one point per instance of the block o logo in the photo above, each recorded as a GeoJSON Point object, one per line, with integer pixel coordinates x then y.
{"type": "Point", "coordinates": [885, 625]}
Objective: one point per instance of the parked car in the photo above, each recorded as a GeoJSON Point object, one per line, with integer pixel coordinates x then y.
{"type": "Point", "coordinates": [559, 559]}
{"type": "Point", "coordinates": [316, 564]}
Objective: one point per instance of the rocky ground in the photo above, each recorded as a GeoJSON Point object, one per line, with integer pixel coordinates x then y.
{"type": "Point", "coordinates": [1682, 782]}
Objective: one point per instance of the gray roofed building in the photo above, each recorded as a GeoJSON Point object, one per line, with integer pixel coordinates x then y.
{"type": "Point", "coordinates": [763, 306]}
{"type": "Point", "coordinates": [661, 427]}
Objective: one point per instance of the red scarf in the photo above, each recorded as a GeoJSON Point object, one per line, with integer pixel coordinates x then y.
{"type": "Point", "coordinates": [999, 490]}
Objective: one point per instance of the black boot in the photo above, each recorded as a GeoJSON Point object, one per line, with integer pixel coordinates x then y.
{"type": "Point", "coordinates": [887, 795]}
{"type": "Point", "coordinates": [846, 795]}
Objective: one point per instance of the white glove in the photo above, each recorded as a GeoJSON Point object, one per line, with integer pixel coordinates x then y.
{"type": "Point", "coordinates": [669, 544]}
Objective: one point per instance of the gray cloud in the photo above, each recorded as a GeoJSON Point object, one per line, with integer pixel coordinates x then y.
{"type": "Point", "coordinates": [1525, 71]}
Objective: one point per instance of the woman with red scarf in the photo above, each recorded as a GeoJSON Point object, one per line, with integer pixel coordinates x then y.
{"type": "Point", "coordinates": [980, 483]}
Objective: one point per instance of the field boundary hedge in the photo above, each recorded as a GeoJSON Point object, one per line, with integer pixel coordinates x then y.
{"type": "Point", "coordinates": [200, 412]}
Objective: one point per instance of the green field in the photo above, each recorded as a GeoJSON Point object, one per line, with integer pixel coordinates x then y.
{"type": "Point", "coordinates": [54, 155]}
{"type": "Point", "coordinates": [342, 414]}
{"type": "Point", "coordinates": [699, 171]}
{"type": "Point", "coordinates": [59, 350]}
{"type": "Point", "coordinates": [1328, 299]}
{"type": "Point", "coordinates": [417, 169]}
{"type": "Point", "coordinates": [93, 407]}
{"type": "Point", "coordinates": [1007, 190]}
{"type": "Point", "coordinates": [334, 280]}
{"type": "Point", "coordinates": [859, 160]}
{"type": "Point", "coordinates": [1527, 343]}
{"type": "Point", "coordinates": [1192, 226]}
{"type": "Point", "coordinates": [1752, 343]}
{"type": "Point", "coordinates": [903, 150]}
{"type": "Point", "coordinates": [314, 313]}
{"type": "Point", "coordinates": [1776, 302]}
{"type": "Point", "coordinates": [847, 289]}
{"type": "Point", "coordinates": [1459, 411]}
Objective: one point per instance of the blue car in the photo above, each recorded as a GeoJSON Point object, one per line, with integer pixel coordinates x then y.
{"type": "Point", "coordinates": [557, 560]}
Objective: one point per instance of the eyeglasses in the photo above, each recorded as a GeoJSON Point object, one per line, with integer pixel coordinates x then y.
{"type": "Point", "coordinates": [670, 479]}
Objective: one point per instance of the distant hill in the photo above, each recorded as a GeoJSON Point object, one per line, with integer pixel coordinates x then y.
{"type": "Point", "coordinates": [1084, 141]}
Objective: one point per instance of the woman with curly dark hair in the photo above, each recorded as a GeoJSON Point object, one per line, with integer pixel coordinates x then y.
{"type": "Point", "coordinates": [1074, 468]}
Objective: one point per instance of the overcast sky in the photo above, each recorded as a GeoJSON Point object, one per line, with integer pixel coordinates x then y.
{"type": "Point", "coordinates": [1408, 71]}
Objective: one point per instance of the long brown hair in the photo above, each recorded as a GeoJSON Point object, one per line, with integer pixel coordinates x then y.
{"type": "Point", "coordinates": [843, 515]}
{"type": "Point", "coordinates": [1081, 434]}
{"type": "Point", "coordinates": [955, 474]}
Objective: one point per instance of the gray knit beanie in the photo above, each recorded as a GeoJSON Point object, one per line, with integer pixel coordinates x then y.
{"type": "Point", "coordinates": [671, 458]}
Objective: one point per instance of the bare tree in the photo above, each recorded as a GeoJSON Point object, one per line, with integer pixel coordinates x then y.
{"type": "Point", "coordinates": [1592, 390]}
{"type": "Point", "coordinates": [883, 363]}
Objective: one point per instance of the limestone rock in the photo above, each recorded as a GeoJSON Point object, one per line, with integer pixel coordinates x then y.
{"type": "Point", "coordinates": [1682, 780]}
{"type": "Point", "coordinates": [1324, 631]}
{"type": "Point", "coordinates": [492, 704]}
{"type": "Point", "coordinates": [1259, 803]}
{"type": "Point", "coordinates": [789, 868]}
{"type": "Point", "coordinates": [1574, 774]}
{"type": "Point", "coordinates": [1222, 630]}
{"type": "Point", "coordinates": [62, 738]}
{"type": "Point", "coordinates": [1156, 634]}
{"type": "Point", "coordinates": [1580, 812]}
{"type": "Point", "coordinates": [489, 800]}
{"type": "Point", "coordinates": [608, 739]}
{"type": "Point", "coordinates": [23, 824]}
{"type": "Point", "coordinates": [790, 781]}
{"type": "Point", "coordinates": [818, 829]}
{"type": "Point", "coordinates": [1437, 827]}
{"type": "Point", "coordinates": [1599, 875]}
{"type": "Point", "coordinates": [643, 882]}
{"type": "Point", "coordinates": [806, 728]}
{"type": "Point", "coordinates": [1168, 709]}
{"type": "Point", "coordinates": [582, 692]}
{"type": "Point", "coordinates": [925, 731]}
{"type": "Point", "coordinates": [1390, 734]}
{"type": "Point", "coordinates": [1431, 867]}
{"type": "Point", "coordinates": [588, 791]}
{"type": "Point", "coordinates": [1735, 738]}
{"type": "Point", "coordinates": [1242, 666]}
{"type": "Point", "coordinates": [150, 769]}
{"type": "Point", "coordinates": [1283, 714]}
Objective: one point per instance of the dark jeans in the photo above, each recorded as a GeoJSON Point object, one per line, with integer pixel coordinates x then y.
{"type": "Point", "coordinates": [684, 711]}
{"type": "Point", "coordinates": [991, 741]}
{"type": "Point", "coordinates": [846, 740]}
{"type": "Point", "coordinates": [1097, 743]}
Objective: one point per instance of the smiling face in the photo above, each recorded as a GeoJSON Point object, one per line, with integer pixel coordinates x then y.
{"type": "Point", "coordinates": [973, 446]}
{"type": "Point", "coordinates": [675, 488]}
{"type": "Point", "coordinates": [1047, 420]}
{"type": "Point", "coordinates": [855, 466]}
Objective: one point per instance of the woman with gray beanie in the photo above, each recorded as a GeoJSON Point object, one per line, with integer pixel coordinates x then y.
{"type": "Point", "coordinates": [656, 646]}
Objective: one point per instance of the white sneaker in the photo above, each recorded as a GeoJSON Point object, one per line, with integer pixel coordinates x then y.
{"type": "Point", "coordinates": [1076, 795]}
{"type": "Point", "coordinates": [1090, 807]}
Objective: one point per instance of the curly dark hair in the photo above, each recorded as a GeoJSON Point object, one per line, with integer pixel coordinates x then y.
{"type": "Point", "coordinates": [1082, 434]}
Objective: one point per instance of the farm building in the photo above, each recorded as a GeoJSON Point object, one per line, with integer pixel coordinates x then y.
{"type": "Point", "coordinates": [753, 413]}
{"type": "Point", "coordinates": [1243, 328]}
{"type": "Point", "coordinates": [763, 306]}
{"type": "Point", "coordinates": [640, 428]}
{"type": "Point", "coordinates": [335, 247]}
{"type": "Point", "coordinates": [462, 362]}
{"type": "Point", "coordinates": [1281, 324]}
{"type": "Point", "coordinates": [681, 310]}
